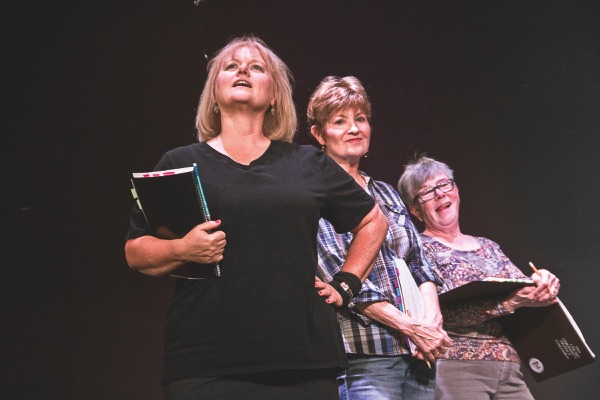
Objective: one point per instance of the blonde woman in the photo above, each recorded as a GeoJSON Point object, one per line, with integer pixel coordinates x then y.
{"type": "Point", "coordinates": [261, 330]}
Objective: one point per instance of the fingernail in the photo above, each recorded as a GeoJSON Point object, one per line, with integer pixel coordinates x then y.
{"type": "Point", "coordinates": [218, 221]}
{"type": "Point", "coordinates": [327, 301]}
{"type": "Point", "coordinates": [320, 292]}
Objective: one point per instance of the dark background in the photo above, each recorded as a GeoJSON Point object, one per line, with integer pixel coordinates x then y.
{"type": "Point", "coordinates": [506, 92]}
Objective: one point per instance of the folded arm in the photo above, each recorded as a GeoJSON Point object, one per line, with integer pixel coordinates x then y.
{"type": "Point", "coordinates": [158, 257]}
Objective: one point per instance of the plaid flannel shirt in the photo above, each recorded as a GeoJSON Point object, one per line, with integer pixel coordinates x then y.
{"type": "Point", "coordinates": [361, 334]}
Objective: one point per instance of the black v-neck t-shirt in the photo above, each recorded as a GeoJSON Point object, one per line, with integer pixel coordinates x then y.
{"type": "Point", "coordinates": [263, 313]}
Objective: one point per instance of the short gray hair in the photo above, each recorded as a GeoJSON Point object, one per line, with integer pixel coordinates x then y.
{"type": "Point", "coordinates": [418, 171]}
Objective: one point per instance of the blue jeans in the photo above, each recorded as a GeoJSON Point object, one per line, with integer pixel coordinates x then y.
{"type": "Point", "coordinates": [387, 378]}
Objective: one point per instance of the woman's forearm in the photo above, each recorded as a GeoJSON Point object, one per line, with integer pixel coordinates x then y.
{"type": "Point", "coordinates": [152, 256]}
{"type": "Point", "coordinates": [368, 238]}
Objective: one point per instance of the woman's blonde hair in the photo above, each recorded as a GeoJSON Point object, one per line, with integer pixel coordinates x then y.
{"type": "Point", "coordinates": [279, 125]}
{"type": "Point", "coordinates": [335, 93]}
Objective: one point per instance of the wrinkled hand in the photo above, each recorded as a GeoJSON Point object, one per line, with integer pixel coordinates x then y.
{"type": "Point", "coordinates": [543, 294]}
{"type": "Point", "coordinates": [203, 244]}
{"type": "Point", "coordinates": [431, 340]}
{"type": "Point", "coordinates": [546, 283]}
{"type": "Point", "coordinates": [434, 319]}
{"type": "Point", "coordinates": [329, 293]}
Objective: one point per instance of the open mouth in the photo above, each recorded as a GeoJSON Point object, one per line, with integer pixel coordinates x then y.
{"type": "Point", "coordinates": [242, 83]}
{"type": "Point", "coordinates": [443, 206]}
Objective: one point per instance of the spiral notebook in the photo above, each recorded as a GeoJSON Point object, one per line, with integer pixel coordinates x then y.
{"type": "Point", "coordinates": [173, 203]}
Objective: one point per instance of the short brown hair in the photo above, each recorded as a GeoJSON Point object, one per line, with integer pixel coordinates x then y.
{"type": "Point", "coordinates": [335, 93]}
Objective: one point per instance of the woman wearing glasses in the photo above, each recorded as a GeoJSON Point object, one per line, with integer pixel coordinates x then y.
{"type": "Point", "coordinates": [481, 362]}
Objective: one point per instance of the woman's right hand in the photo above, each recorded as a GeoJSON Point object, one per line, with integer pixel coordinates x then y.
{"type": "Point", "coordinates": [203, 244]}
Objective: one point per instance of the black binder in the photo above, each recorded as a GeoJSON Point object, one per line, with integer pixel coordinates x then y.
{"type": "Point", "coordinates": [173, 203]}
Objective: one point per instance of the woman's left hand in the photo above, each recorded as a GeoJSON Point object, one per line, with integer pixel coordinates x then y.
{"type": "Point", "coordinates": [543, 294]}
{"type": "Point", "coordinates": [547, 285]}
{"type": "Point", "coordinates": [329, 293]}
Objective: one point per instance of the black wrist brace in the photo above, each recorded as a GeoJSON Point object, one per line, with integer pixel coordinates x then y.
{"type": "Point", "coordinates": [347, 285]}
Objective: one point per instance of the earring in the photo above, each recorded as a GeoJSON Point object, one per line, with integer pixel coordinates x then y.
{"type": "Point", "coordinates": [366, 154]}
{"type": "Point", "coordinates": [272, 110]}
{"type": "Point", "coordinates": [324, 147]}
{"type": "Point", "coordinates": [216, 109]}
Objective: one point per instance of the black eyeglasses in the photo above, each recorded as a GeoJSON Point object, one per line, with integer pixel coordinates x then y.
{"type": "Point", "coordinates": [444, 185]}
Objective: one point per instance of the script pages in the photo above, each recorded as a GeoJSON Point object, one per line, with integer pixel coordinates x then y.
{"type": "Point", "coordinates": [412, 299]}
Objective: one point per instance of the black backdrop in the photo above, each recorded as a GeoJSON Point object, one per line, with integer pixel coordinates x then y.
{"type": "Point", "coordinates": [507, 93]}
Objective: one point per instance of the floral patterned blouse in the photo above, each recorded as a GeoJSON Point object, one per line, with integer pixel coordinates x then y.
{"type": "Point", "coordinates": [473, 326]}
